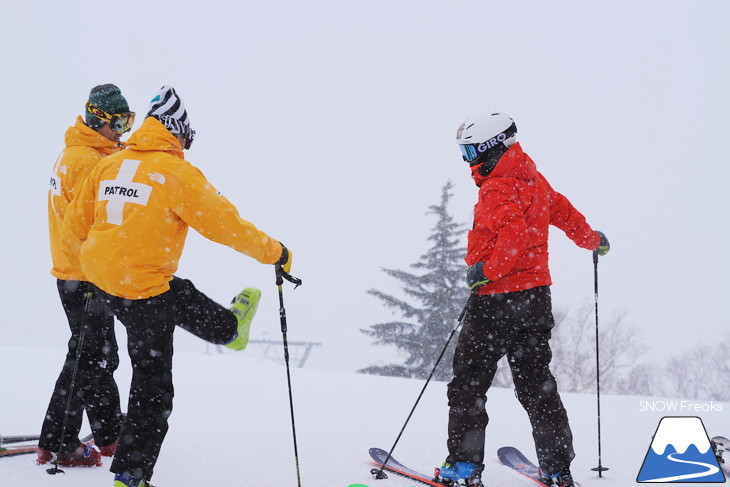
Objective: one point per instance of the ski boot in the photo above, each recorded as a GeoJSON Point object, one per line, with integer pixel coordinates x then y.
{"type": "Point", "coordinates": [720, 444]}
{"type": "Point", "coordinates": [109, 450]}
{"type": "Point", "coordinates": [459, 474]}
{"type": "Point", "coordinates": [244, 307]}
{"type": "Point", "coordinates": [85, 455]}
{"type": "Point", "coordinates": [126, 480]}
{"type": "Point", "coordinates": [560, 479]}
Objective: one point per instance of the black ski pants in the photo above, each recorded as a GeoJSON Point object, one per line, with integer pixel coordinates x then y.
{"type": "Point", "coordinates": [150, 324]}
{"type": "Point", "coordinates": [94, 388]}
{"type": "Point", "coordinates": [518, 325]}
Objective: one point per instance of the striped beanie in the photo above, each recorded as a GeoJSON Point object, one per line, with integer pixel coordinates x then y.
{"type": "Point", "coordinates": [168, 108]}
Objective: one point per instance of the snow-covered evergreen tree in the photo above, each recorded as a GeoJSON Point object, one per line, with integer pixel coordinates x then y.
{"type": "Point", "coordinates": [435, 298]}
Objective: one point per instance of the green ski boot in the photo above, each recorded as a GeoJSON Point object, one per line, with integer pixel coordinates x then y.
{"type": "Point", "coordinates": [126, 480]}
{"type": "Point", "coordinates": [244, 307]}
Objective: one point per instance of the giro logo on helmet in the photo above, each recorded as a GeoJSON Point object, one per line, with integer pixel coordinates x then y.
{"type": "Point", "coordinates": [492, 142]}
{"type": "Point", "coordinates": [460, 131]}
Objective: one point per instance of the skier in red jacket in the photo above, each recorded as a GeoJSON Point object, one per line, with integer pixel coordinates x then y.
{"type": "Point", "coordinates": [510, 310]}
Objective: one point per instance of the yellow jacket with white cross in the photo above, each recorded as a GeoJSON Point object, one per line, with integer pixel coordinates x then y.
{"type": "Point", "coordinates": [84, 149]}
{"type": "Point", "coordinates": [127, 227]}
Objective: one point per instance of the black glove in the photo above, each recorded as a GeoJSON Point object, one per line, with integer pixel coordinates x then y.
{"type": "Point", "coordinates": [285, 260]}
{"type": "Point", "coordinates": [603, 246]}
{"type": "Point", "coordinates": [475, 276]}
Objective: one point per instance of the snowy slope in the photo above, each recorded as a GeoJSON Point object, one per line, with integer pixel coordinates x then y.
{"type": "Point", "coordinates": [231, 426]}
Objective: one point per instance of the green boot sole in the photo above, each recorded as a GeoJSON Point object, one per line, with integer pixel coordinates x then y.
{"type": "Point", "coordinates": [244, 307]}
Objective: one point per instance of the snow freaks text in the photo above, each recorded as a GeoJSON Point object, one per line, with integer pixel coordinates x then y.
{"type": "Point", "coordinates": [678, 406]}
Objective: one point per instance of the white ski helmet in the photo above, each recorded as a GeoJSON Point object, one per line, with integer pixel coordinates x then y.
{"type": "Point", "coordinates": [486, 136]}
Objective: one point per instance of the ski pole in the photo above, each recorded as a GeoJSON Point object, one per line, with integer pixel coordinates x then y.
{"type": "Point", "coordinates": [600, 468]}
{"type": "Point", "coordinates": [280, 276]}
{"type": "Point", "coordinates": [378, 472]}
{"type": "Point", "coordinates": [79, 347]}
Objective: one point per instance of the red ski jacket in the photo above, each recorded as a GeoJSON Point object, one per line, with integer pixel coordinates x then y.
{"type": "Point", "coordinates": [511, 219]}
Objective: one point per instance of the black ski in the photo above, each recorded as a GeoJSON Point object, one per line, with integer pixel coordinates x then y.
{"type": "Point", "coordinates": [5, 440]}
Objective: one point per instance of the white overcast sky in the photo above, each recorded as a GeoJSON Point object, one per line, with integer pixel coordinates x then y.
{"type": "Point", "coordinates": [331, 125]}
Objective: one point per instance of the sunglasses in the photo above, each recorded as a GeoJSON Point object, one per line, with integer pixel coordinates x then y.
{"type": "Point", "coordinates": [119, 122]}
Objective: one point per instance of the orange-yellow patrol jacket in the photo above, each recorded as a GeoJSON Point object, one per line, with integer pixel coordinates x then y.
{"type": "Point", "coordinates": [128, 224]}
{"type": "Point", "coordinates": [84, 149]}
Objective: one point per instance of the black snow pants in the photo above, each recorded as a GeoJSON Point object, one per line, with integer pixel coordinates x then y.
{"type": "Point", "coordinates": [517, 324]}
{"type": "Point", "coordinates": [95, 390]}
{"type": "Point", "coordinates": [150, 324]}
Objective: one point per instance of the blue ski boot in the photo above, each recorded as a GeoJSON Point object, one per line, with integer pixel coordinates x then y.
{"type": "Point", "coordinates": [459, 473]}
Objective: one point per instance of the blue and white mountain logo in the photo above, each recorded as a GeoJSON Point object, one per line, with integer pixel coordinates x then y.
{"type": "Point", "coordinates": [680, 452]}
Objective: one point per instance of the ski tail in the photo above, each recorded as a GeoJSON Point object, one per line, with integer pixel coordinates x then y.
{"type": "Point", "coordinates": [15, 450]}
{"type": "Point", "coordinates": [6, 440]}
{"type": "Point", "coordinates": [513, 458]}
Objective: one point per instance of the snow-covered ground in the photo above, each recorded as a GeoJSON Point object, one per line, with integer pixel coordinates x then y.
{"type": "Point", "coordinates": [231, 425]}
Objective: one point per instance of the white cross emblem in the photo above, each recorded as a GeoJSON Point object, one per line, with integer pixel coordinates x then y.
{"type": "Point", "coordinates": [122, 190]}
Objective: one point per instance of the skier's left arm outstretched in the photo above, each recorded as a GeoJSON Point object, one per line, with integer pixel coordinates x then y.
{"type": "Point", "coordinates": [198, 203]}
{"type": "Point", "coordinates": [567, 218]}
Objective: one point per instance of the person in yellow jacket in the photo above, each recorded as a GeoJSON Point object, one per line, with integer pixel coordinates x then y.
{"type": "Point", "coordinates": [93, 389]}
{"type": "Point", "coordinates": [127, 229]}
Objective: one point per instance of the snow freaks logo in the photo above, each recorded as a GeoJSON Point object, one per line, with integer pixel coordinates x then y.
{"type": "Point", "coordinates": [680, 452]}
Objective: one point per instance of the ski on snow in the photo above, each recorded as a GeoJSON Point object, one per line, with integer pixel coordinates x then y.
{"type": "Point", "coordinates": [4, 440]}
{"type": "Point", "coordinates": [378, 455]}
{"type": "Point", "coordinates": [509, 456]}
{"type": "Point", "coordinates": [17, 450]}
{"type": "Point", "coordinates": [514, 459]}
{"type": "Point", "coordinates": [12, 451]}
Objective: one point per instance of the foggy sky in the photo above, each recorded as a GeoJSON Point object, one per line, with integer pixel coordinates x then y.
{"type": "Point", "coordinates": [331, 126]}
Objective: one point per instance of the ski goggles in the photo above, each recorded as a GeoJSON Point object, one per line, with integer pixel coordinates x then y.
{"type": "Point", "coordinates": [469, 152]}
{"type": "Point", "coordinates": [119, 122]}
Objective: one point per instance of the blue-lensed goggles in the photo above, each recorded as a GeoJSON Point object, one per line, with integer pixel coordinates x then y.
{"type": "Point", "coordinates": [469, 152]}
